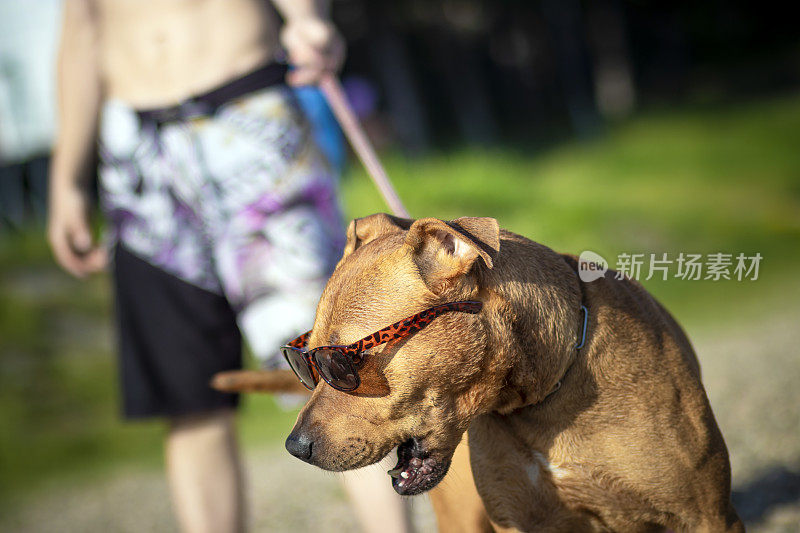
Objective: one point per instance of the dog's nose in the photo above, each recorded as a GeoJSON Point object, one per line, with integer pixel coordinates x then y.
{"type": "Point", "coordinates": [299, 445]}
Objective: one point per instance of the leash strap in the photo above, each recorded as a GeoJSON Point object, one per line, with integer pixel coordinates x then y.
{"type": "Point", "coordinates": [344, 113]}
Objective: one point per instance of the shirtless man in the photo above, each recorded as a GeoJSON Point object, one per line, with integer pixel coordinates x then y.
{"type": "Point", "coordinates": [222, 211]}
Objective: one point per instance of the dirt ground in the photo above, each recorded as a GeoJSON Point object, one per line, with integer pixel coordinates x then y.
{"type": "Point", "coordinates": [751, 372]}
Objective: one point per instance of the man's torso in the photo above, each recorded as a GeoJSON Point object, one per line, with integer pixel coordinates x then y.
{"type": "Point", "coordinates": [156, 53]}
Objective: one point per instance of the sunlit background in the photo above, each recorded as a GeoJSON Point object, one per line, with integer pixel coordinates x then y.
{"type": "Point", "coordinates": [617, 126]}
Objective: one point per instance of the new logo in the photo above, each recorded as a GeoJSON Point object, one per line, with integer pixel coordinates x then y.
{"type": "Point", "coordinates": [591, 266]}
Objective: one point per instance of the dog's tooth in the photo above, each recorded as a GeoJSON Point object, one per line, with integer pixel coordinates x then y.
{"type": "Point", "coordinates": [404, 474]}
{"type": "Point", "coordinates": [394, 472]}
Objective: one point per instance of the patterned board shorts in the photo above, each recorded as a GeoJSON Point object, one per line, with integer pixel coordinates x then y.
{"type": "Point", "coordinates": [240, 204]}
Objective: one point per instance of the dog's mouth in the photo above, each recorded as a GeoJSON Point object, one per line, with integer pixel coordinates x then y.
{"type": "Point", "coordinates": [417, 470]}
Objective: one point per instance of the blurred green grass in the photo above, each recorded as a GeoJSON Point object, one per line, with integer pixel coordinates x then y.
{"type": "Point", "coordinates": [724, 178]}
{"type": "Point", "coordinates": [699, 180]}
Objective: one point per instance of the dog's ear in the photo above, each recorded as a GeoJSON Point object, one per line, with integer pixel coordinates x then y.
{"type": "Point", "coordinates": [445, 250]}
{"type": "Point", "coordinates": [363, 230]}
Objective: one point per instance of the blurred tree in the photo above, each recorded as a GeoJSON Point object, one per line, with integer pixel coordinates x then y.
{"type": "Point", "coordinates": [390, 58]}
{"type": "Point", "coordinates": [613, 78]}
{"type": "Point", "coordinates": [566, 28]}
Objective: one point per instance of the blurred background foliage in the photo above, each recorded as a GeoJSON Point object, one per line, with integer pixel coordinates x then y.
{"type": "Point", "coordinates": [613, 126]}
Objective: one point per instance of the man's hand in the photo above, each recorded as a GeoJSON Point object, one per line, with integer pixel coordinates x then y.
{"type": "Point", "coordinates": [69, 233]}
{"type": "Point", "coordinates": [315, 48]}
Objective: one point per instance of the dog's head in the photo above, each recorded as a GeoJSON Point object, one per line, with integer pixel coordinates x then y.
{"type": "Point", "coordinates": [418, 393]}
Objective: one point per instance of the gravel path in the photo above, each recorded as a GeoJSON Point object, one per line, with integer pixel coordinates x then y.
{"type": "Point", "coordinates": [281, 489]}
{"type": "Point", "coordinates": [752, 375]}
{"type": "Point", "coordinates": [751, 372]}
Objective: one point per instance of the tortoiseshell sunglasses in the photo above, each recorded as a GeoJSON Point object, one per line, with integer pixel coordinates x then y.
{"type": "Point", "coordinates": [337, 364]}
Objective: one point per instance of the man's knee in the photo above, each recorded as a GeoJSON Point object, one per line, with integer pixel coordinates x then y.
{"type": "Point", "coordinates": [205, 422]}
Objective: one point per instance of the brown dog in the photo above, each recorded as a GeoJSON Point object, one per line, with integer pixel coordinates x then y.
{"type": "Point", "coordinates": [627, 443]}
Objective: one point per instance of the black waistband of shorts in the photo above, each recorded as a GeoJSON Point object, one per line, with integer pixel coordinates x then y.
{"type": "Point", "coordinates": [207, 103]}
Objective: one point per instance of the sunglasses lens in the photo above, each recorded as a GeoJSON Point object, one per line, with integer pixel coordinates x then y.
{"type": "Point", "coordinates": [337, 369]}
{"type": "Point", "coordinates": [298, 363]}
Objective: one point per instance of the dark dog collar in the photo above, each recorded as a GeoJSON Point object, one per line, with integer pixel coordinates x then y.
{"type": "Point", "coordinates": [580, 344]}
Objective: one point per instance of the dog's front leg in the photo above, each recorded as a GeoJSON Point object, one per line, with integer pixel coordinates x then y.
{"type": "Point", "coordinates": [515, 483]}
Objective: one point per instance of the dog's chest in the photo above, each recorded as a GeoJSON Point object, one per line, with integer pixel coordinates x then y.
{"type": "Point", "coordinates": [539, 470]}
{"type": "Point", "coordinates": [500, 459]}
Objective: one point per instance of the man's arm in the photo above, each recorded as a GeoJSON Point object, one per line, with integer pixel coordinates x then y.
{"type": "Point", "coordinates": [79, 98]}
{"type": "Point", "coordinates": [312, 41]}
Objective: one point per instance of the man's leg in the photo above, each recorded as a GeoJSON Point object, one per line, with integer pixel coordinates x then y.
{"type": "Point", "coordinates": [205, 474]}
{"type": "Point", "coordinates": [378, 507]}
{"type": "Point", "coordinates": [176, 329]}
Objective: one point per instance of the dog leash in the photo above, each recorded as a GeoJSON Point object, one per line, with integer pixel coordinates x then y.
{"type": "Point", "coordinates": [337, 100]}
